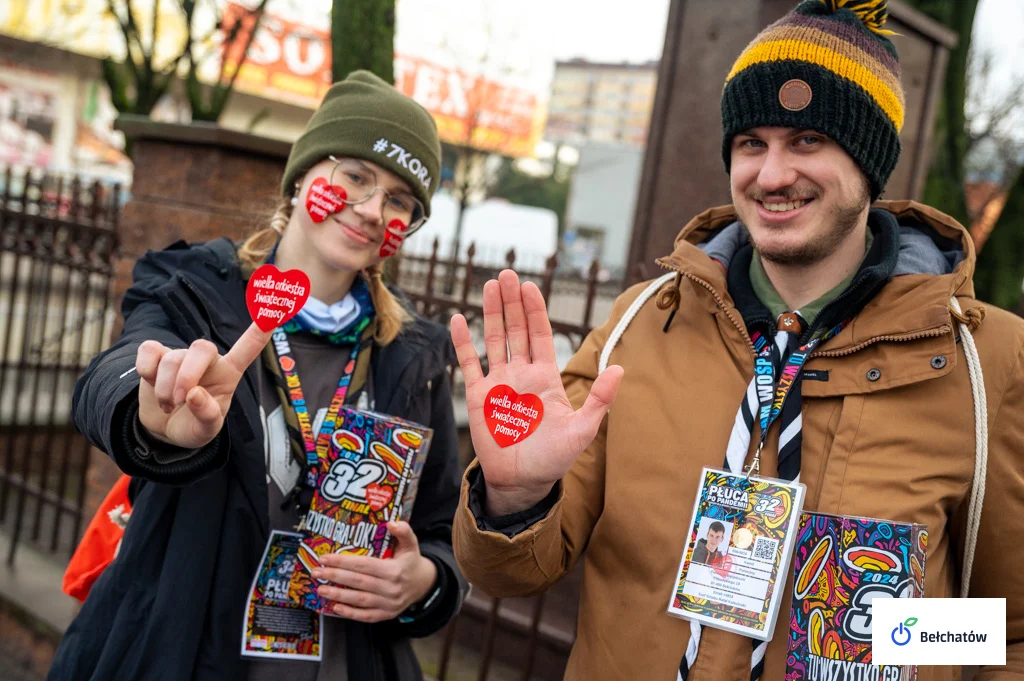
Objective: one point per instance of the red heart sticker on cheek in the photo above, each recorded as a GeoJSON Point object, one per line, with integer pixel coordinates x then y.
{"type": "Point", "coordinates": [511, 417]}
{"type": "Point", "coordinates": [390, 245]}
{"type": "Point", "coordinates": [378, 496]}
{"type": "Point", "coordinates": [323, 200]}
{"type": "Point", "coordinates": [273, 297]}
{"type": "Point", "coordinates": [392, 241]}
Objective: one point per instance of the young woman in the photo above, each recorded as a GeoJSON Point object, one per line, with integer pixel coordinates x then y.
{"type": "Point", "coordinates": [191, 404]}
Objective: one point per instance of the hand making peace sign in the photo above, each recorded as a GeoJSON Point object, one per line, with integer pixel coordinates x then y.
{"type": "Point", "coordinates": [185, 394]}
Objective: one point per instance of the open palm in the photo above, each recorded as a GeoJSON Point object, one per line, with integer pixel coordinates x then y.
{"type": "Point", "coordinates": [521, 354]}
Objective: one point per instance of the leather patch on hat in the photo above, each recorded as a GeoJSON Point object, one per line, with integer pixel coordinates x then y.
{"type": "Point", "coordinates": [795, 95]}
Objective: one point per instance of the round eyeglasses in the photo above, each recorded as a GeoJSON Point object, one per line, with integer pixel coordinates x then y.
{"type": "Point", "coordinates": [401, 212]}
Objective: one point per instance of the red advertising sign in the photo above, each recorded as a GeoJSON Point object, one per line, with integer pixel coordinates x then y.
{"type": "Point", "coordinates": [291, 62]}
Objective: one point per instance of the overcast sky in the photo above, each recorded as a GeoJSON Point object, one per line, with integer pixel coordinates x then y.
{"type": "Point", "coordinates": [536, 32]}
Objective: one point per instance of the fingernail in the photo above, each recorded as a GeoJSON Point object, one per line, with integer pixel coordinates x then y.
{"type": "Point", "coordinates": [179, 397]}
{"type": "Point", "coordinates": [198, 399]}
{"type": "Point", "coordinates": [318, 573]}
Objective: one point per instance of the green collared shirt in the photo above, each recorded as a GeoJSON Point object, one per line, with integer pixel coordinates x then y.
{"type": "Point", "coordinates": [769, 297]}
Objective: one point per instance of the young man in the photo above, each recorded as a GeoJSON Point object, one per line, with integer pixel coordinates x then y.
{"type": "Point", "coordinates": [881, 422]}
{"type": "Point", "coordinates": [706, 550]}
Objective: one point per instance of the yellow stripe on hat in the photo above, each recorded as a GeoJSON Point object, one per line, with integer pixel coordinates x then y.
{"type": "Point", "coordinates": [779, 50]}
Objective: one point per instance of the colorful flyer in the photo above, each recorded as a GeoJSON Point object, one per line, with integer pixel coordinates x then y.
{"type": "Point", "coordinates": [840, 565]}
{"type": "Point", "coordinates": [738, 546]}
{"type": "Point", "coordinates": [369, 477]}
{"type": "Point", "coordinates": [276, 625]}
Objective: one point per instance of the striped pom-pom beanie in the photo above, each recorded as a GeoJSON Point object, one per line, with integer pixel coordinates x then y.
{"type": "Point", "coordinates": [826, 66]}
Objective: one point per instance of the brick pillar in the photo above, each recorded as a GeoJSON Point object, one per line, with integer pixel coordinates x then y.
{"type": "Point", "coordinates": [195, 182]}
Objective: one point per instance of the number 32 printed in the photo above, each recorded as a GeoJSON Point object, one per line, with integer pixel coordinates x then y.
{"type": "Point", "coordinates": [766, 504]}
{"type": "Point", "coordinates": [349, 480]}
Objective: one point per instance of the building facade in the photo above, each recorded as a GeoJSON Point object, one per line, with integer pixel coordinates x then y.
{"type": "Point", "coordinates": [601, 102]}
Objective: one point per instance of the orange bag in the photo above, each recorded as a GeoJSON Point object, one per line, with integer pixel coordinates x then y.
{"type": "Point", "coordinates": [100, 543]}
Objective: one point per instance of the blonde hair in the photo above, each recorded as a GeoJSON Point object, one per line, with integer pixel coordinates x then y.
{"type": "Point", "coordinates": [390, 313]}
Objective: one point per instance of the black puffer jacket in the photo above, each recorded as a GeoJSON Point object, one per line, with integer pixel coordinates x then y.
{"type": "Point", "coordinates": [171, 605]}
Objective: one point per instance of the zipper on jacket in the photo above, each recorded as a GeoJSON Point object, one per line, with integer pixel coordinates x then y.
{"type": "Point", "coordinates": [889, 338]}
{"type": "Point", "coordinates": [740, 326]}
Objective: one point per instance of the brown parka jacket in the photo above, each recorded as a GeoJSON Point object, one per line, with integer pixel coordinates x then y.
{"type": "Point", "coordinates": [890, 434]}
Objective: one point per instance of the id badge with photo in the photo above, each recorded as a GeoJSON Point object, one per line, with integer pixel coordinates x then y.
{"type": "Point", "coordinates": [276, 625]}
{"type": "Point", "coordinates": [738, 548]}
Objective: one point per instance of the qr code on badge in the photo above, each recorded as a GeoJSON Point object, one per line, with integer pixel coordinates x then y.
{"type": "Point", "coordinates": [764, 549]}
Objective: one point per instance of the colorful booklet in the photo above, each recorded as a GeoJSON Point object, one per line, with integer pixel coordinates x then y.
{"type": "Point", "coordinates": [840, 565]}
{"type": "Point", "coordinates": [369, 477]}
{"type": "Point", "coordinates": [275, 625]}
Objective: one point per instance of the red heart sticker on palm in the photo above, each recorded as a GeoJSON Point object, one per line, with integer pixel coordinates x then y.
{"type": "Point", "coordinates": [323, 200]}
{"type": "Point", "coordinates": [273, 297]}
{"type": "Point", "coordinates": [511, 417]}
{"type": "Point", "coordinates": [378, 496]}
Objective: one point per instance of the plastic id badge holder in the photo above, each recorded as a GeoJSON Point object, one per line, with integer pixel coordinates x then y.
{"type": "Point", "coordinates": [738, 547]}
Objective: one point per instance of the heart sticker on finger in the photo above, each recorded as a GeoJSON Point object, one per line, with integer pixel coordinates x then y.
{"type": "Point", "coordinates": [273, 297]}
{"type": "Point", "coordinates": [323, 200]}
{"type": "Point", "coordinates": [511, 417]}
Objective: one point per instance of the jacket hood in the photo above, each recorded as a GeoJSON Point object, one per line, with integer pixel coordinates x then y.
{"type": "Point", "coordinates": [931, 242]}
{"type": "Point", "coordinates": [936, 260]}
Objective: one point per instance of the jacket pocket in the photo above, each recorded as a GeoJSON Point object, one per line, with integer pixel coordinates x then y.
{"type": "Point", "coordinates": [829, 436]}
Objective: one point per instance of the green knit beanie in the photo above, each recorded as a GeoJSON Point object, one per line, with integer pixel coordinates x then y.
{"type": "Point", "coordinates": [827, 66]}
{"type": "Point", "coordinates": [366, 118]}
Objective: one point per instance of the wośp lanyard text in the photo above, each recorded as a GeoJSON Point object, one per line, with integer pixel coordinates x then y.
{"type": "Point", "coordinates": [772, 392]}
{"type": "Point", "coordinates": [315, 448]}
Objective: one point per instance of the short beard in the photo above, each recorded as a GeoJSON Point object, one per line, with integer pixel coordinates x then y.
{"type": "Point", "coordinates": [845, 218]}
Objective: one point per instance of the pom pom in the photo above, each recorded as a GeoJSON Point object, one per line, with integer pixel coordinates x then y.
{"type": "Point", "coordinates": [873, 13]}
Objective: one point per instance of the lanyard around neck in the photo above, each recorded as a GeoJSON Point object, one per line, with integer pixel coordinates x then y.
{"type": "Point", "coordinates": [316, 448]}
{"type": "Point", "coordinates": [774, 389]}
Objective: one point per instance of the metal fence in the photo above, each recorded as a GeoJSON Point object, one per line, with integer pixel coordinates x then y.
{"type": "Point", "coordinates": [519, 638]}
{"type": "Point", "coordinates": [58, 255]}
{"type": "Point", "coordinates": [58, 243]}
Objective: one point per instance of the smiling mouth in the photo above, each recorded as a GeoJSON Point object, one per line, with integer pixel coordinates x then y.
{"type": "Point", "coordinates": [783, 207]}
{"type": "Point", "coordinates": [361, 235]}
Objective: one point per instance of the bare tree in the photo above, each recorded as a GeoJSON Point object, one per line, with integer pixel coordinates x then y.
{"type": "Point", "coordinates": [488, 71]}
{"type": "Point", "coordinates": [141, 78]}
{"type": "Point", "coordinates": [995, 147]}
{"type": "Point", "coordinates": [232, 42]}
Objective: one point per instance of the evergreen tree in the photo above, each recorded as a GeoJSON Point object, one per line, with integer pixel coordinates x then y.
{"type": "Point", "coordinates": [363, 37]}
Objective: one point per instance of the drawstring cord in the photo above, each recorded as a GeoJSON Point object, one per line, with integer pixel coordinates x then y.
{"type": "Point", "coordinates": [972, 318]}
{"type": "Point", "coordinates": [977, 499]}
{"type": "Point", "coordinates": [670, 297]}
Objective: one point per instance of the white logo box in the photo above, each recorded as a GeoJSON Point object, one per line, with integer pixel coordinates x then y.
{"type": "Point", "coordinates": [938, 631]}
